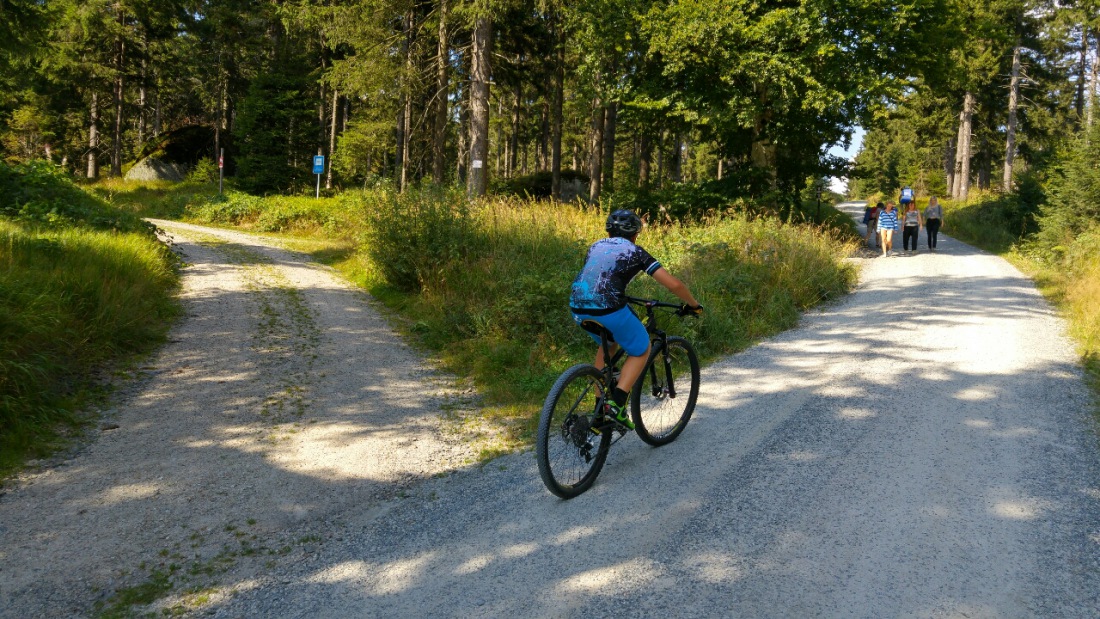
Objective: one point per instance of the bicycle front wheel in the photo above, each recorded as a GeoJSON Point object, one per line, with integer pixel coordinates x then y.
{"type": "Point", "coordinates": [664, 397]}
{"type": "Point", "coordinates": [572, 447]}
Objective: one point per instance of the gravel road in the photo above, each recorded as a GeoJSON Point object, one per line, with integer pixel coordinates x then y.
{"type": "Point", "coordinates": [923, 448]}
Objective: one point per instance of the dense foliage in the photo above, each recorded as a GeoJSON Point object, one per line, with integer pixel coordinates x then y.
{"type": "Point", "coordinates": [631, 94]}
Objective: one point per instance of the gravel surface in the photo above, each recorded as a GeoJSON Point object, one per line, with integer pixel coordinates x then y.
{"type": "Point", "coordinates": [923, 448]}
{"type": "Point", "coordinates": [282, 400]}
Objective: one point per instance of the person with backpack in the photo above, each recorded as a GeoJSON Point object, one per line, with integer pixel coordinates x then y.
{"type": "Point", "coordinates": [870, 218]}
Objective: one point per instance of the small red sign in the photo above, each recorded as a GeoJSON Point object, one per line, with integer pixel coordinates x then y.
{"type": "Point", "coordinates": [221, 162]}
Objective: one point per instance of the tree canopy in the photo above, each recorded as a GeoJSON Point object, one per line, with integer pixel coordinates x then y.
{"type": "Point", "coordinates": [631, 95]}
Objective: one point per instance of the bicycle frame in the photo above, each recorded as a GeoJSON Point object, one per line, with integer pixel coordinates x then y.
{"type": "Point", "coordinates": [656, 335]}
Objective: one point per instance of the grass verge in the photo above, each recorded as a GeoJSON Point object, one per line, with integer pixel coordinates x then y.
{"type": "Point", "coordinates": [83, 286]}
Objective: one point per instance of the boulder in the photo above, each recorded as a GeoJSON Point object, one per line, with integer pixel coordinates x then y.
{"type": "Point", "coordinates": [156, 169]}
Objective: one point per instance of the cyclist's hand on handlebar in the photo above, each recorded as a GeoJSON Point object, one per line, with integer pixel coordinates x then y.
{"type": "Point", "coordinates": [687, 310]}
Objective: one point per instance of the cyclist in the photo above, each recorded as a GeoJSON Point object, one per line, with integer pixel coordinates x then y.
{"type": "Point", "coordinates": [599, 295]}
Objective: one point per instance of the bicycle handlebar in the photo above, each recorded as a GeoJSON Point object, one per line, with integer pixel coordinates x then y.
{"type": "Point", "coordinates": [652, 303]}
{"type": "Point", "coordinates": [682, 309]}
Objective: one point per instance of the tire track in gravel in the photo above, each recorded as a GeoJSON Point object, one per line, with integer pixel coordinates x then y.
{"type": "Point", "coordinates": [282, 400]}
{"type": "Point", "coordinates": [922, 448]}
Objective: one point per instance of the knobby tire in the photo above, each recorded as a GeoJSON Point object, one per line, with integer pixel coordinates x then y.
{"type": "Point", "coordinates": [658, 416]}
{"type": "Point", "coordinates": [570, 452]}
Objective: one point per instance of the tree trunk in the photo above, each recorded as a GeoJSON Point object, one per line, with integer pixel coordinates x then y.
{"type": "Point", "coordinates": [407, 137]}
{"type": "Point", "coordinates": [610, 120]}
{"type": "Point", "coordinates": [406, 115]}
{"type": "Point", "coordinates": [141, 109]}
{"type": "Point", "coordinates": [962, 155]}
{"type": "Point", "coordinates": [513, 138]}
{"type": "Point", "coordinates": [645, 157]}
{"type": "Point", "coordinates": [439, 129]}
{"type": "Point", "coordinates": [1093, 84]}
{"type": "Point", "coordinates": [332, 136]}
{"type": "Point", "coordinates": [399, 151]}
{"type": "Point", "coordinates": [661, 159]}
{"type": "Point", "coordinates": [93, 137]}
{"type": "Point", "coordinates": [462, 138]}
{"type": "Point", "coordinates": [156, 109]}
{"type": "Point", "coordinates": [677, 159]}
{"type": "Point", "coordinates": [949, 166]}
{"type": "Point", "coordinates": [595, 152]}
{"type": "Point", "coordinates": [1010, 129]}
{"type": "Point", "coordinates": [556, 114]}
{"type": "Point", "coordinates": [1079, 100]}
{"type": "Point", "coordinates": [544, 138]}
{"type": "Point", "coordinates": [116, 148]}
{"type": "Point", "coordinates": [480, 73]}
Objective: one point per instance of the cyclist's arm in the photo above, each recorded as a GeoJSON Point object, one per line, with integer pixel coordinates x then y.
{"type": "Point", "coordinates": [675, 286]}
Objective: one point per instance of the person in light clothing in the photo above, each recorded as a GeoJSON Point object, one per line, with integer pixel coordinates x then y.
{"type": "Point", "coordinates": [933, 218]}
{"type": "Point", "coordinates": [887, 224]}
{"type": "Point", "coordinates": [913, 223]}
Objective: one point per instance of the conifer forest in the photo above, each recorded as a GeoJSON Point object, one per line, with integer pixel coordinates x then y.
{"type": "Point", "coordinates": [623, 95]}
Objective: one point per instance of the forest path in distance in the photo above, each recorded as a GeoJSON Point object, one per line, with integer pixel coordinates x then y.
{"type": "Point", "coordinates": [922, 448]}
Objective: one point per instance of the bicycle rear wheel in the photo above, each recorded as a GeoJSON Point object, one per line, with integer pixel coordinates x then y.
{"type": "Point", "coordinates": [664, 397]}
{"type": "Point", "coordinates": [570, 449]}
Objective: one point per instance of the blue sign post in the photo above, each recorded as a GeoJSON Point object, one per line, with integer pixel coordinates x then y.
{"type": "Point", "coordinates": [319, 169]}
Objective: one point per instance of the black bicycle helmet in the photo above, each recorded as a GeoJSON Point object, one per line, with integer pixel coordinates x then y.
{"type": "Point", "coordinates": [623, 223]}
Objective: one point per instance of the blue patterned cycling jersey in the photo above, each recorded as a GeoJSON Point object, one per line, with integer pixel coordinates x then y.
{"type": "Point", "coordinates": [611, 263]}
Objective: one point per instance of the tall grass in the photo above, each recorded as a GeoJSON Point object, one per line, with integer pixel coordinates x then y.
{"type": "Point", "coordinates": [485, 286]}
{"type": "Point", "coordinates": [82, 285]}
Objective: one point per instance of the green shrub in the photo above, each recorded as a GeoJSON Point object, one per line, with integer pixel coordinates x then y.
{"type": "Point", "coordinates": [40, 194]}
{"type": "Point", "coordinates": [412, 235]}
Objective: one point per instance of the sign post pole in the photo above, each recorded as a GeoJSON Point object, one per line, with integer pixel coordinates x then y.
{"type": "Point", "coordinates": [221, 170]}
{"type": "Point", "coordinates": [319, 169]}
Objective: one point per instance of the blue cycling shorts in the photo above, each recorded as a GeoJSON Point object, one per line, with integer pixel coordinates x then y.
{"type": "Point", "coordinates": [625, 327]}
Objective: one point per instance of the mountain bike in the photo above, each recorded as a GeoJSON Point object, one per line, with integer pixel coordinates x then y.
{"type": "Point", "coordinates": [576, 428]}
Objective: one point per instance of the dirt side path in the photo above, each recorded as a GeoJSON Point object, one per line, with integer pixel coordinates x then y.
{"type": "Point", "coordinates": [282, 399]}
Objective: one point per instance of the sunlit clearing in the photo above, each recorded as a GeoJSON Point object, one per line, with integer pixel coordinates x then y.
{"type": "Point", "coordinates": [575, 535]}
{"type": "Point", "coordinates": [975, 394]}
{"type": "Point", "coordinates": [129, 492]}
{"type": "Point", "coordinates": [856, 413]}
{"type": "Point", "coordinates": [837, 390]}
{"type": "Point", "coordinates": [1018, 510]}
{"type": "Point", "coordinates": [715, 567]}
{"type": "Point", "coordinates": [480, 562]}
{"type": "Point", "coordinates": [388, 579]}
{"type": "Point", "coordinates": [341, 572]}
{"type": "Point", "coordinates": [610, 579]}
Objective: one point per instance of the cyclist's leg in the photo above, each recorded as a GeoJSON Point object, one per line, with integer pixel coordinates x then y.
{"type": "Point", "coordinates": [600, 361]}
{"type": "Point", "coordinates": [632, 369]}
{"type": "Point", "coordinates": [632, 336]}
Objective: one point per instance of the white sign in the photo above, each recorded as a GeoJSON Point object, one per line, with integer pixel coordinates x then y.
{"type": "Point", "coordinates": [476, 163]}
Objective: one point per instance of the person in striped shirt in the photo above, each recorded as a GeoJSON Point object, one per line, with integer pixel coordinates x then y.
{"type": "Point", "coordinates": [887, 224]}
